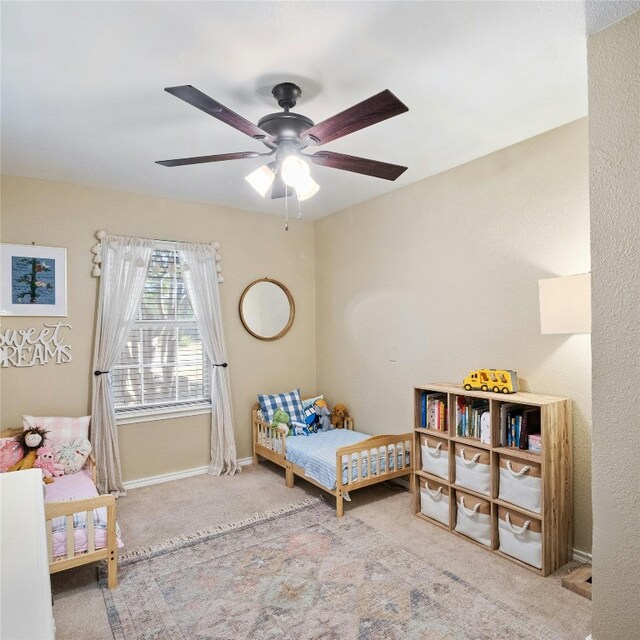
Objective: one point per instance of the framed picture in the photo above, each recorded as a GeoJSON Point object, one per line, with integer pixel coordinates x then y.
{"type": "Point", "coordinates": [33, 280]}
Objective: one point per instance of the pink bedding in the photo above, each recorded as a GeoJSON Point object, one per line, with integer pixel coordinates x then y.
{"type": "Point", "coordinates": [77, 486]}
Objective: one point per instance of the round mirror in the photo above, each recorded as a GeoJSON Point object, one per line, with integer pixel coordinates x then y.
{"type": "Point", "coordinates": [267, 309]}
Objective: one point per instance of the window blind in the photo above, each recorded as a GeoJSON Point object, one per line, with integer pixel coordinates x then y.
{"type": "Point", "coordinates": [163, 364]}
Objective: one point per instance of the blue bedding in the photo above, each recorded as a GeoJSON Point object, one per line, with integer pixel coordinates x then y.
{"type": "Point", "coordinates": [316, 454]}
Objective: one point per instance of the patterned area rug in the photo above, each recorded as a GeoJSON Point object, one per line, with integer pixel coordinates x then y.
{"type": "Point", "coordinates": [300, 573]}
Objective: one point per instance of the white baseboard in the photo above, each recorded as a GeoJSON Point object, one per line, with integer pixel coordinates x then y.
{"type": "Point", "coordinates": [175, 475]}
{"type": "Point", "coordinates": [582, 556]}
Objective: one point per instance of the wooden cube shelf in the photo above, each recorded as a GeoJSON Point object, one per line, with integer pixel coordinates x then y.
{"type": "Point", "coordinates": [553, 464]}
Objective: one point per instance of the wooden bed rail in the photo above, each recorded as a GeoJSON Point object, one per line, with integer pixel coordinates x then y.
{"type": "Point", "coordinates": [374, 460]}
{"type": "Point", "coordinates": [266, 437]}
{"type": "Point", "coordinates": [67, 509]}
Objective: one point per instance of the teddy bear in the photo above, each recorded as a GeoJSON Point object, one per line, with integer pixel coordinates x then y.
{"type": "Point", "coordinates": [339, 415]}
{"type": "Point", "coordinates": [45, 461]}
{"type": "Point", "coordinates": [281, 422]}
{"type": "Point", "coordinates": [323, 414]}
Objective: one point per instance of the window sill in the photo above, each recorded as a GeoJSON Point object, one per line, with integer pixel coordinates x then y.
{"type": "Point", "coordinates": [163, 413]}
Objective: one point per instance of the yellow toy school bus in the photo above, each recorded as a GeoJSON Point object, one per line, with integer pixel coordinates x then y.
{"type": "Point", "coordinates": [497, 380]}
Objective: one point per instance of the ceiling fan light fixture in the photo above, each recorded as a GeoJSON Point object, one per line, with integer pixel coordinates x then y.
{"type": "Point", "coordinates": [261, 179]}
{"type": "Point", "coordinates": [307, 188]}
{"type": "Point", "coordinates": [286, 134]}
{"type": "Point", "coordinates": [294, 171]}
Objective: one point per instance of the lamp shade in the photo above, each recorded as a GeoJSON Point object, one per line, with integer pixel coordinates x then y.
{"type": "Point", "coordinates": [261, 179]}
{"type": "Point", "coordinates": [294, 170]}
{"type": "Point", "coordinates": [565, 304]}
{"type": "Point", "coordinates": [307, 188]}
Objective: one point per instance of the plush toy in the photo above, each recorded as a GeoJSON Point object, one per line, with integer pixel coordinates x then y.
{"type": "Point", "coordinates": [339, 415]}
{"type": "Point", "coordinates": [281, 422]}
{"type": "Point", "coordinates": [45, 462]}
{"type": "Point", "coordinates": [30, 441]}
{"type": "Point", "coordinates": [323, 414]}
{"type": "Point", "coordinates": [299, 429]}
{"type": "Point", "coordinates": [313, 419]}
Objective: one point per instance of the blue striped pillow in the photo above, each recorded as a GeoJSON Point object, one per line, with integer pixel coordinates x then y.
{"type": "Point", "coordinates": [289, 402]}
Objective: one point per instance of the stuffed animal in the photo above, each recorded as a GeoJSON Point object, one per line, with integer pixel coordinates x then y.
{"type": "Point", "coordinates": [281, 422]}
{"type": "Point", "coordinates": [339, 414]}
{"type": "Point", "coordinates": [46, 462]}
{"type": "Point", "coordinates": [323, 414]}
{"type": "Point", "coordinates": [299, 429]}
{"type": "Point", "coordinates": [30, 441]}
{"type": "Point", "coordinates": [313, 419]}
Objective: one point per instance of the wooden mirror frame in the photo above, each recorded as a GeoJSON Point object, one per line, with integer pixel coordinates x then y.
{"type": "Point", "coordinates": [292, 309]}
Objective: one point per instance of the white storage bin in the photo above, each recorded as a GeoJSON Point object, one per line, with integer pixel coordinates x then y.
{"type": "Point", "coordinates": [434, 501]}
{"type": "Point", "coordinates": [473, 470]}
{"type": "Point", "coordinates": [520, 537]}
{"type": "Point", "coordinates": [435, 456]}
{"type": "Point", "coordinates": [473, 518]}
{"type": "Point", "coordinates": [521, 483]}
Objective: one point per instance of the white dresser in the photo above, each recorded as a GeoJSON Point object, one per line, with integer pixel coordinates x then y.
{"type": "Point", "coordinates": [25, 588]}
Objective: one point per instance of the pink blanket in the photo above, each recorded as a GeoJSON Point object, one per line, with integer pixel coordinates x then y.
{"type": "Point", "coordinates": [77, 486]}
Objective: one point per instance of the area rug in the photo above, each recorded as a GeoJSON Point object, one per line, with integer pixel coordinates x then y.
{"type": "Point", "coordinates": [300, 573]}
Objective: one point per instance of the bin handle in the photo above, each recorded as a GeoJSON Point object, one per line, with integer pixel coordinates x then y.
{"type": "Point", "coordinates": [522, 471]}
{"type": "Point", "coordinates": [467, 462]}
{"type": "Point", "coordinates": [435, 449]}
{"type": "Point", "coordinates": [432, 493]}
{"type": "Point", "coordinates": [469, 512]}
{"type": "Point", "coordinates": [517, 530]}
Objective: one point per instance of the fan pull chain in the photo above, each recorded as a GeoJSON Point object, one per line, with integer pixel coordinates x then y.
{"type": "Point", "coordinates": [299, 207]}
{"type": "Point", "coordinates": [286, 207]}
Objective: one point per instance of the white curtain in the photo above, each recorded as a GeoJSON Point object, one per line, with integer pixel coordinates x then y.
{"type": "Point", "coordinates": [124, 270]}
{"type": "Point", "coordinates": [201, 282]}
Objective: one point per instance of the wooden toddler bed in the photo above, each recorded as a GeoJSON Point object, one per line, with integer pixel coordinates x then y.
{"type": "Point", "coordinates": [87, 543]}
{"type": "Point", "coordinates": [391, 457]}
{"type": "Point", "coordinates": [94, 549]}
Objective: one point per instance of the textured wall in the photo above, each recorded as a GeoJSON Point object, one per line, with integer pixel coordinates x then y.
{"type": "Point", "coordinates": [445, 272]}
{"type": "Point", "coordinates": [614, 149]}
{"type": "Point", "coordinates": [253, 246]}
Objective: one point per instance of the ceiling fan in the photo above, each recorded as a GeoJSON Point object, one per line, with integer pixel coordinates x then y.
{"type": "Point", "coordinates": [287, 134]}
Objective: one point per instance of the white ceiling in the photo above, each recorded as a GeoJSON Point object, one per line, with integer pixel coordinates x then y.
{"type": "Point", "coordinates": [83, 100]}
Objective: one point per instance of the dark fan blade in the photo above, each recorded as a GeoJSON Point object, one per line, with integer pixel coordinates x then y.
{"type": "Point", "coordinates": [376, 109]}
{"type": "Point", "coordinates": [200, 159]}
{"type": "Point", "coordinates": [203, 102]}
{"type": "Point", "coordinates": [373, 168]}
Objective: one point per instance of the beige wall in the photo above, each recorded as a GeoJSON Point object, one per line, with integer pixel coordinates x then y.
{"type": "Point", "coordinates": [253, 246]}
{"type": "Point", "coordinates": [446, 272]}
{"type": "Point", "coordinates": [614, 150]}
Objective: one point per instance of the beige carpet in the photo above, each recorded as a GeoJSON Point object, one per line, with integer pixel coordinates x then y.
{"type": "Point", "coordinates": [154, 514]}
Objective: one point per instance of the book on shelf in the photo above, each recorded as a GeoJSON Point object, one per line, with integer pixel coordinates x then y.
{"type": "Point", "coordinates": [507, 412]}
{"type": "Point", "coordinates": [517, 423]}
{"type": "Point", "coordinates": [530, 426]}
{"type": "Point", "coordinates": [469, 417]}
{"type": "Point", "coordinates": [485, 427]}
{"type": "Point", "coordinates": [534, 443]}
{"type": "Point", "coordinates": [433, 411]}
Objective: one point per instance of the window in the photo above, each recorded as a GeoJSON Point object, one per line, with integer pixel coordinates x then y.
{"type": "Point", "coordinates": [163, 368]}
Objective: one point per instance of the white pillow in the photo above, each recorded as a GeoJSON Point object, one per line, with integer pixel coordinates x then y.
{"type": "Point", "coordinates": [72, 455]}
{"type": "Point", "coordinates": [60, 429]}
